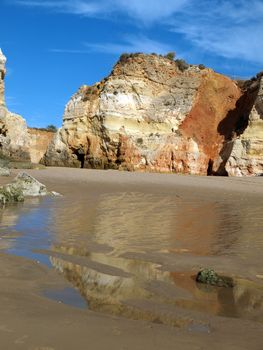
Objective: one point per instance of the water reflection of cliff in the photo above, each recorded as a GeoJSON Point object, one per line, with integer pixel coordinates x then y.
{"type": "Point", "coordinates": [245, 300]}
{"type": "Point", "coordinates": [134, 221]}
{"type": "Point", "coordinates": [23, 227]}
{"type": "Point", "coordinates": [112, 290]}
{"type": "Point", "coordinates": [109, 290]}
{"type": "Point", "coordinates": [110, 279]}
{"type": "Point", "coordinates": [10, 214]}
{"type": "Point", "coordinates": [8, 218]}
{"type": "Point", "coordinates": [140, 222]}
{"type": "Point", "coordinates": [143, 222]}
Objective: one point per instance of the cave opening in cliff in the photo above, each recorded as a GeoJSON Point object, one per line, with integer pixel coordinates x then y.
{"type": "Point", "coordinates": [81, 157]}
{"type": "Point", "coordinates": [210, 168]}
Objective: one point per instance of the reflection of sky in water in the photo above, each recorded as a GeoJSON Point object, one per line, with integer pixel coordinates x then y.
{"type": "Point", "coordinates": [68, 296]}
{"type": "Point", "coordinates": [130, 222]}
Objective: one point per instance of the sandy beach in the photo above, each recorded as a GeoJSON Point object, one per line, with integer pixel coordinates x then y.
{"type": "Point", "coordinates": [129, 244]}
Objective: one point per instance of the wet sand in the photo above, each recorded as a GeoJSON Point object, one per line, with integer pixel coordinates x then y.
{"type": "Point", "coordinates": [113, 226]}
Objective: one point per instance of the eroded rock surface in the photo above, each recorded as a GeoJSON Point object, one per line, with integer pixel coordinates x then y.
{"type": "Point", "coordinates": [29, 185]}
{"type": "Point", "coordinates": [2, 76]}
{"type": "Point", "coordinates": [24, 185]}
{"type": "Point", "coordinates": [148, 115]}
{"type": "Point", "coordinates": [246, 149]}
{"type": "Point", "coordinates": [17, 141]}
{"type": "Point", "coordinates": [38, 143]}
{"type": "Point", "coordinates": [13, 129]}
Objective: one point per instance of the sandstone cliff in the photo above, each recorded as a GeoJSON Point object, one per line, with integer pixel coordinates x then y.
{"type": "Point", "coordinates": [2, 76]}
{"type": "Point", "coordinates": [149, 114]}
{"type": "Point", "coordinates": [17, 142]}
{"type": "Point", "coordinates": [13, 129]}
{"type": "Point", "coordinates": [39, 139]}
{"type": "Point", "coordinates": [244, 153]}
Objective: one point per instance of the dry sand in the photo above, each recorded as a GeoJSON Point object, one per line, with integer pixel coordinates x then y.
{"type": "Point", "coordinates": [28, 320]}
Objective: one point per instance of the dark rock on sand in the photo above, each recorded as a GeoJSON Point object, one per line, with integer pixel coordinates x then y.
{"type": "Point", "coordinates": [209, 276]}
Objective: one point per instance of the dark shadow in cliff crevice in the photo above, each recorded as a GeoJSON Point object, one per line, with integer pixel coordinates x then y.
{"type": "Point", "coordinates": [210, 171]}
{"type": "Point", "coordinates": [80, 156]}
{"type": "Point", "coordinates": [224, 154]}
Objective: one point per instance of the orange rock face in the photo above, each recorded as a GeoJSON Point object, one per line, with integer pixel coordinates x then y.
{"type": "Point", "coordinates": [38, 143]}
{"type": "Point", "coordinates": [208, 122]}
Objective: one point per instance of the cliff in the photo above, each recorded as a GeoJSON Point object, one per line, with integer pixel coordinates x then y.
{"type": "Point", "coordinates": [244, 153]}
{"type": "Point", "coordinates": [152, 114]}
{"type": "Point", "coordinates": [13, 129]}
{"type": "Point", "coordinates": [17, 141]}
{"type": "Point", "coordinates": [2, 77]}
{"type": "Point", "coordinates": [39, 139]}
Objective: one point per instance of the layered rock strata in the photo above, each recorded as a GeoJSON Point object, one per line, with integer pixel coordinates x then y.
{"type": "Point", "coordinates": [17, 142]}
{"type": "Point", "coordinates": [149, 114]}
{"type": "Point", "coordinates": [13, 129]}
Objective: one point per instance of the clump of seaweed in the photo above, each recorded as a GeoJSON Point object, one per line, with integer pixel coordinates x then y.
{"type": "Point", "coordinates": [10, 194]}
{"type": "Point", "coordinates": [209, 276]}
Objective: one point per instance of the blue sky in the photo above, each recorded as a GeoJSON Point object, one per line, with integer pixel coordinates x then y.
{"type": "Point", "coordinates": [53, 47]}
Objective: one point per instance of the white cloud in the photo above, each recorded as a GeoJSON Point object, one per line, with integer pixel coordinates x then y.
{"type": "Point", "coordinates": [85, 8]}
{"type": "Point", "coordinates": [138, 9]}
{"type": "Point", "coordinates": [231, 29]}
{"type": "Point", "coordinates": [129, 44]}
{"type": "Point", "coordinates": [73, 51]}
{"type": "Point", "coordinates": [150, 11]}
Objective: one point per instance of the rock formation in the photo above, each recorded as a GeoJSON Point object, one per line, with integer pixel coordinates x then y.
{"type": "Point", "coordinates": [2, 76]}
{"type": "Point", "coordinates": [17, 142]}
{"type": "Point", "coordinates": [244, 153]}
{"type": "Point", "coordinates": [13, 129]}
{"type": "Point", "coordinates": [149, 114]}
{"type": "Point", "coordinates": [24, 185]}
{"type": "Point", "coordinates": [39, 139]}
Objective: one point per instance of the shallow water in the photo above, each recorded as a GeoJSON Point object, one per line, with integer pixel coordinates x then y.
{"type": "Point", "coordinates": [134, 252]}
